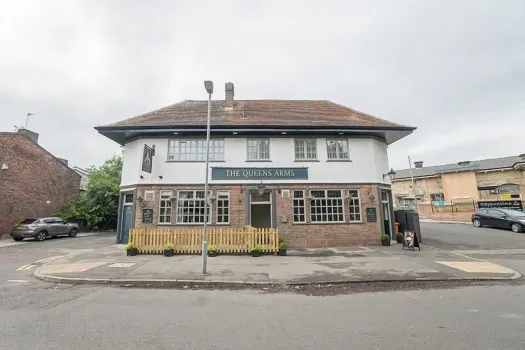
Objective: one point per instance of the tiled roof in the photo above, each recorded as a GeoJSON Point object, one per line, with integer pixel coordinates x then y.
{"type": "Point", "coordinates": [476, 165]}
{"type": "Point", "coordinates": [320, 113]}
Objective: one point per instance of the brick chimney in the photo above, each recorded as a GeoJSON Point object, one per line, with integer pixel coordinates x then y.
{"type": "Point", "coordinates": [418, 164]}
{"type": "Point", "coordinates": [33, 136]}
{"type": "Point", "coordinates": [229, 95]}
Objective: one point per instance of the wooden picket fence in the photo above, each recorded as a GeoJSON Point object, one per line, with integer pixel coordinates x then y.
{"type": "Point", "coordinates": [151, 240]}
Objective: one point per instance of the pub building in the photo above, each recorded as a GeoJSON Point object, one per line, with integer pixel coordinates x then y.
{"type": "Point", "coordinates": [316, 170]}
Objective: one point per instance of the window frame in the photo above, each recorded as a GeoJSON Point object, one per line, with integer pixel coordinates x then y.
{"type": "Point", "coordinates": [350, 199]}
{"type": "Point", "coordinates": [210, 208]}
{"type": "Point", "coordinates": [223, 207]}
{"type": "Point", "coordinates": [167, 200]}
{"type": "Point", "coordinates": [311, 198]}
{"type": "Point", "coordinates": [441, 194]}
{"type": "Point", "coordinates": [338, 158]}
{"type": "Point", "coordinates": [303, 198]}
{"type": "Point", "coordinates": [305, 148]}
{"type": "Point", "coordinates": [257, 148]}
{"type": "Point", "coordinates": [213, 146]}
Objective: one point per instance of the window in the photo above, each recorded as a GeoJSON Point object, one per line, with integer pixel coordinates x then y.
{"type": "Point", "coordinates": [195, 150]}
{"type": "Point", "coordinates": [190, 207]}
{"type": "Point", "coordinates": [223, 207]}
{"type": "Point", "coordinates": [354, 205]}
{"type": "Point", "coordinates": [337, 149]}
{"type": "Point", "coordinates": [259, 149]}
{"type": "Point", "coordinates": [305, 149]}
{"type": "Point", "coordinates": [299, 214]}
{"type": "Point", "coordinates": [439, 197]}
{"type": "Point", "coordinates": [165, 207]}
{"type": "Point", "coordinates": [326, 206]}
{"type": "Point", "coordinates": [128, 198]}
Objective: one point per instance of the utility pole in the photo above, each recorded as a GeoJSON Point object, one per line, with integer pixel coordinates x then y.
{"type": "Point", "coordinates": [412, 178]}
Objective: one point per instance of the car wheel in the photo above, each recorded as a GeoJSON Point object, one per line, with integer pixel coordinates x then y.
{"type": "Point", "coordinates": [516, 228]}
{"type": "Point", "coordinates": [18, 239]}
{"type": "Point", "coordinates": [73, 232]}
{"type": "Point", "coordinates": [41, 236]}
{"type": "Point", "coordinates": [476, 222]}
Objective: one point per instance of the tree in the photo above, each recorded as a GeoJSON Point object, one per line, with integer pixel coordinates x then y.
{"type": "Point", "coordinates": [98, 204]}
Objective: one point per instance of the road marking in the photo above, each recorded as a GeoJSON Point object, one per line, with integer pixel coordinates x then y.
{"type": "Point", "coordinates": [26, 267]}
{"type": "Point", "coordinates": [17, 281]}
{"type": "Point", "coordinates": [45, 260]}
{"type": "Point", "coordinates": [451, 252]}
{"type": "Point", "coordinates": [8, 244]}
{"type": "Point", "coordinates": [122, 265]}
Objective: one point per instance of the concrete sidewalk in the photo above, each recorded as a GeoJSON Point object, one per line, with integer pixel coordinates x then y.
{"type": "Point", "coordinates": [111, 265]}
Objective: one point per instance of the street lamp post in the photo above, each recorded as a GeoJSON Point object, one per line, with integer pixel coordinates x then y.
{"type": "Point", "coordinates": [209, 89]}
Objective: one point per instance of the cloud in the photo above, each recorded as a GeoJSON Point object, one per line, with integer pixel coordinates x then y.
{"type": "Point", "coordinates": [456, 70]}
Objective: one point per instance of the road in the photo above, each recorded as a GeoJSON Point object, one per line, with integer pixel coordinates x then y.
{"type": "Point", "coordinates": [40, 315]}
{"type": "Point", "coordinates": [468, 237]}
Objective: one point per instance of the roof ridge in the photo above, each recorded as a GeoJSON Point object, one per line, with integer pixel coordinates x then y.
{"type": "Point", "coordinates": [456, 163]}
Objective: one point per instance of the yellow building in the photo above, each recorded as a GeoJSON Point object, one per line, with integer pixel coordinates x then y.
{"type": "Point", "coordinates": [499, 178]}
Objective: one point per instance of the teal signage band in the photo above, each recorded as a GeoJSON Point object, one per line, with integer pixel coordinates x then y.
{"type": "Point", "coordinates": [259, 173]}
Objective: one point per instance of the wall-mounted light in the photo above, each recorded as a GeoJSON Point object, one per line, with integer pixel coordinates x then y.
{"type": "Point", "coordinates": [5, 167]}
{"type": "Point", "coordinates": [261, 188]}
{"type": "Point", "coordinates": [391, 174]}
{"type": "Point", "coordinates": [48, 202]}
{"type": "Point", "coordinates": [141, 176]}
{"type": "Point", "coordinates": [160, 177]}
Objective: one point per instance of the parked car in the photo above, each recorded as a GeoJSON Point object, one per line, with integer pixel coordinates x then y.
{"type": "Point", "coordinates": [503, 218]}
{"type": "Point", "coordinates": [40, 229]}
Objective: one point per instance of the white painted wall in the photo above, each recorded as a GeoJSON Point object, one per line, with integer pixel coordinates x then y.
{"type": "Point", "coordinates": [369, 161]}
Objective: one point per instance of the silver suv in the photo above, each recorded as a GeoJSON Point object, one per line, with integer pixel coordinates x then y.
{"type": "Point", "coordinates": [40, 229]}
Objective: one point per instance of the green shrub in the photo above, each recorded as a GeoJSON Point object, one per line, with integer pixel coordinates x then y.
{"type": "Point", "coordinates": [385, 239]}
{"type": "Point", "coordinates": [129, 246]}
{"type": "Point", "coordinates": [281, 240]}
{"type": "Point", "coordinates": [257, 248]}
{"type": "Point", "coordinates": [169, 246]}
{"type": "Point", "coordinates": [212, 248]}
{"type": "Point", "coordinates": [399, 237]}
{"type": "Point", "coordinates": [283, 246]}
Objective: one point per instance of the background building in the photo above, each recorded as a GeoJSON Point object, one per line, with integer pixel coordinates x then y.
{"type": "Point", "coordinates": [314, 169]}
{"type": "Point", "coordinates": [33, 182]}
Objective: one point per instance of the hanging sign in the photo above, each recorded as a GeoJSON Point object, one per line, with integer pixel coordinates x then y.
{"type": "Point", "coordinates": [147, 158]}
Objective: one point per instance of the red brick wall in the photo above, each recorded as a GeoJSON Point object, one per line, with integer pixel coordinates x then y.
{"type": "Point", "coordinates": [297, 235]}
{"type": "Point", "coordinates": [33, 177]}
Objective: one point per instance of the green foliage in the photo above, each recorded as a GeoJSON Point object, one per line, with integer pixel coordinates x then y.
{"type": "Point", "coordinates": [212, 248]}
{"type": "Point", "coordinates": [385, 239]}
{"type": "Point", "coordinates": [129, 246]}
{"type": "Point", "coordinates": [283, 246]}
{"type": "Point", "coordinates": [98, 204]}
{"type": "Point", "coordinates": [281, 240]}
{"type": "Point", "coordinates": [169, 246]}
{"type": "Point", "coordinates": [257, 248]}
{"type": "Point", "coordinates": [399, 237]}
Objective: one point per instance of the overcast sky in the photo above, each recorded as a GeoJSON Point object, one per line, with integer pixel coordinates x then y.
{"type": "Point", "coordinates": [454, 69]}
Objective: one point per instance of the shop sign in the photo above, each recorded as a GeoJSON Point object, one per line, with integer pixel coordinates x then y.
{"type": "Point", "coordinates": [259, 173]}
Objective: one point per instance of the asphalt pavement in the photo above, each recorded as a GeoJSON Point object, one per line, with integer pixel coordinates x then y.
{"type": "Point", "coordinates": [41, 315]}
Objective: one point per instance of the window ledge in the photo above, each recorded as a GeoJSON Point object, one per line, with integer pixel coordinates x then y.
{"type": "Point", "coordinates": [258, 161]}
{"type": "Point", "coordinates": [339, 160]}
{"type": "Point", "coordinates": [195, 161]}
{"type": "Point", "coordinates": [356, 222]}
{"type": "Point", "coordinates": [305, 160]}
